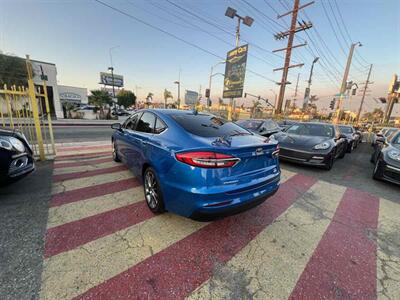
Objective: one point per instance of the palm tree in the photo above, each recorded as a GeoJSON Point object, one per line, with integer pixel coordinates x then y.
{"type": "Point", "coordinates": [167, 95]}
{"type": "Point", "coordinates": [256, 108]}
{"type": "Point", "coordinates": [149, 98]}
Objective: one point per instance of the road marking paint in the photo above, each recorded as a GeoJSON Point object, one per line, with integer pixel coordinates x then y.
{"type": "Point", "coordinates": [71, 273]}
{"type": "Point", "coordinates": [85, 174]}
{"type": "Point", "coordinates": [82, 156]}
{"type": "Point", "coordinates": [179, 269]}
{"type": "Point", "coordinates": [93, 191]}
{"type": "Point", "coordinates": [86, 167]}
{"type": "Point", "coordinates": [82, 209]}
{"type": "Point", "coordinates": [270, 265]}
{"type": "Point", "coordinates": [74, 234]}
{"type": "Point", "coordinates": [73, 184]}
{"type": "Point", "coordinates": [388, 238]}
{"type": "Point", "coordinates": [344, 263]}
{"type": "Point", "coordinates": [86, 162]}
{"type": "Point", "coordinates": [79, 148]}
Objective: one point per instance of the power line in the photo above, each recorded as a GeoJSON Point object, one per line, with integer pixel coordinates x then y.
{"type": "Point", "coordinates": [171, 34]}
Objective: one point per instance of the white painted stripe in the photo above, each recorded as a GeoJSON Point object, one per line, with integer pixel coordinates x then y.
{"type": "Point", "coordinates": [71, 273]}
{"type": "Point", "coordinates": [73, 184]}
{"type": "Point", "coordinates": [270, 265]}
{"type": "Point", "coordinates": [388, 254]}
{"type": "Point", "coordinates": [85, 168]}
{"type": "Point", "coordinates": [75, 211]}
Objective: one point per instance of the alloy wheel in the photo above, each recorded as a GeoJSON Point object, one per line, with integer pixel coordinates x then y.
{"type": "Point", "coordinates": [150, 185]}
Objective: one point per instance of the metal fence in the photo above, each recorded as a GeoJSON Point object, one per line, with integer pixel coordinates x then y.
{"type": "Point", "coordinates": [27, 110]}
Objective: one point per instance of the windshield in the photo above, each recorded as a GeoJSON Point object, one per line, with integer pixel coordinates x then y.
{"type": "Point", "coordinates": [311, 130]}
{"type": "Point", "coordinates": [250, 124]}
{"type": "Point", "coordinates": [396, 139]}
{"type": "Point", "coordinates": [346, 129]}
{"type": "Point", "coordinates": [208, 125]}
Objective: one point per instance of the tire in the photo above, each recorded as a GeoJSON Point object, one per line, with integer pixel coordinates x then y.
{"type": "Point", "coordinates": [115, 153]}
{"type": "Point", "coordinates": [152, 191]}
{"type": "Point", "coordinates": [343, 153]}
{"type": "Point", "coordinates": [350, 147]}
{"type": "Point", "coordinates": [328, 166]}
{"type": "Point", "coordinates": [378, 172]}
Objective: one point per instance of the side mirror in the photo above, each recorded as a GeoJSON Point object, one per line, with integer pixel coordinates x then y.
{"type": "Point", "coordinates": [380, 139]}
{"type": "Point", "coordinates": [379, 134]}
{"type": "Point", "coordinates": [116, 126]}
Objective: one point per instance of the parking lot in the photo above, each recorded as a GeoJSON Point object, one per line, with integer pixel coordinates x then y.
{"type": "Point", "coordinates": [331, 235]}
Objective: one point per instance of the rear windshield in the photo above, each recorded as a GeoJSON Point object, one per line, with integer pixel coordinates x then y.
{"type": "Point", "coordinates": [311, 130]}
{"type": "Point", "coordinates": [250, 124]}
{"type": "Point", "coordinates": [346, 129]}
{"type": "Point", "coordinates": [208, 125]}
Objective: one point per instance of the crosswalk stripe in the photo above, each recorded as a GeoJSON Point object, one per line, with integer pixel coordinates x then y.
{"type": "Point", "coordinates": [82, 155]}
{"type": "Point", "coordinates": [74, 211]}
{"type": "Point", "coordinates": [79, 163]}
{"type": "Point", "coordinates": [89, 173]}
{"type": "Point", "coordinates": [85, 167]}
{"type": "Point", "coordinates": [270, 265]}
{"type": "Point", "coordinates": [388, 239]}
{"type": "Point", "coordinates": [179, 269]}
{"type": "Point", "coordinates": [74, 234]}
{"type": "Point", "coordinates": [79, 148]}
{"type": "Point", "coordinates": [93, 191]}
{"type": "Point", "coordinates": [71, 273]}
{"type": "Point", "coordinates": [344, 262]}
{"type": "Point", "coordinates": [73, 184]}
{"type": "Point", "coordinates": [84, 152]}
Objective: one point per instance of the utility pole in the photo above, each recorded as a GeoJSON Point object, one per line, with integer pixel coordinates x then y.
{"type": "Point", "coordinates": [344, 80]}
{"type": "Point", "coordinates": [308, 88]}
{"type": "Point", "coordinates": [290, 34]}
{"type": "Point", "coordinates": [363, 95]}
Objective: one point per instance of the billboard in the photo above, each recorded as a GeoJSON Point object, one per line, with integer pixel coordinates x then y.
{"type": "Point", "coordinates": [235, 70]}
{"type": "Point", "coordinates": [191, 97]}
{"type": "Point", "coordinates": [107, 79]}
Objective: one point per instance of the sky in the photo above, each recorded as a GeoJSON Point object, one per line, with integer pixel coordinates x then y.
{"type": "Point", "coordinates": [192, 36]}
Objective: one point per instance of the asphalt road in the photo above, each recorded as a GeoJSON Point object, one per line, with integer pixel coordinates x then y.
{"type": "Point", "coordinates": [23, 218]}
{"type": "Point", "coordinates": [69, 134]}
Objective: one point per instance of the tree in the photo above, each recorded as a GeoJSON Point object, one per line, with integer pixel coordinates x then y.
{"type": "Point", "coordinates": [167, 95]}
{"type": "Point", "coordinates": [256, 109]}
{"type": "Point", "coordinates": [100, 98]}
{"type": "Point", "coordinates": [126, 98]}
{"type": "Point", "coordinates": [12, 71]}
{"type": "Point", "coordinates": [149, 98]}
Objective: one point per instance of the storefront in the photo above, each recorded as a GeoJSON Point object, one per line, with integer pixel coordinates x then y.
{"type": "Point", "coordinates": [71, 96]}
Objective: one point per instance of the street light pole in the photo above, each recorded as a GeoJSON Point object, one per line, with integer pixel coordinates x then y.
{"type": "Point", "coordinates": [210, 79]}
{"type": "Point", "coordinates": [307, 92]}
{"type": "Point", "coordinates": [231, 13]}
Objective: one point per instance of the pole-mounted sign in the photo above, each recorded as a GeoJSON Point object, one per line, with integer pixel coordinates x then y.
{"type": "Point", "coordinates": [235, 70]}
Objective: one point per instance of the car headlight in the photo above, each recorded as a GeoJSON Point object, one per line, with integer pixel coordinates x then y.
{"type": "Point", "coordinates": [394, 154]}
{"type": "Point", "coordinates": [322, 146]}
{"type": "Point", "coordinates": [10, 143]}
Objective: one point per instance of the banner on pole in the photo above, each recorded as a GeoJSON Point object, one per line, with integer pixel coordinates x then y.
{"type": "Point", "coordinates": [235, 70]}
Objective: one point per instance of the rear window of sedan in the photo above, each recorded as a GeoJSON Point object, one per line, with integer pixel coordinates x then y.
{"type": "Point", "coordinates": [250, 124]}
{"type": "Point", "coordinates": [208, 125]}
{"type": "Point", "coordinates": [346, 129]}
{"type": "Point", "coordinates": [312, 130]}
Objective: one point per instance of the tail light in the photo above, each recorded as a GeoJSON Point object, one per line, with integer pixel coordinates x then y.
{"type": "Point", "coordinates": [207, 159]}
{"type": "Point", "coordinates": [275, 154]}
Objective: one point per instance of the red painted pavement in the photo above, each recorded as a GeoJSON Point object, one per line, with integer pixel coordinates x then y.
{"type": "Point", "coordinates": [71, 235]}
{"type": "Point", "coordinates": [75, 175]}
{"type": "Point", "coordinates": [179, 269]}
{"type": "Point", "coordinates": [343, 266]}
{"type": "Point", "coordinates": [77, 148]}
{"type": "Point", "coordinates": [93, 191]}
{"type": "Point", "coordinates": [82, 163]}
{"type": "Point", "coordinates": [82, 155]}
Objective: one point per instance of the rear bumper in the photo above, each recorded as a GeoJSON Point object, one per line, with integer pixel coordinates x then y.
{"type": "Point", "coordinates": [305, 157]}
{"type": "Point", "coordinates": [214, 205]}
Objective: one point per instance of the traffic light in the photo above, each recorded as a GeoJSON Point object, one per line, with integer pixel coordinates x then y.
{"type": "Point", "coordinates": [332, 104]}
{"type": "Point", "coordinates": [207, 93]}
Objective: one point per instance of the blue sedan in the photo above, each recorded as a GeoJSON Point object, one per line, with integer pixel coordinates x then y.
{"type": "Point", "coordinates": [196, 165]}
